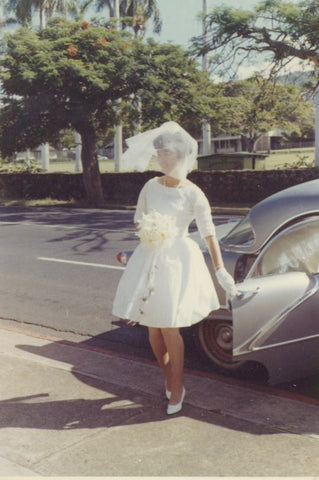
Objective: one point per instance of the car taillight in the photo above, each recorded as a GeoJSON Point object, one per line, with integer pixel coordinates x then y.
{"type": "Point", "coordinates": [122, 258]}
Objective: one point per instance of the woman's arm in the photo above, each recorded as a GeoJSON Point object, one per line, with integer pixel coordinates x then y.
{"type": "Point", "coordinates": [224, 278]}
{"type": "Point", "coordinates": [214, 251]}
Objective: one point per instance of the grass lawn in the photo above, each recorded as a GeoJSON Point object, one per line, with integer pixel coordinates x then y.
{"type": "Point", "coordinates": [106, 166]}
{"type": "Point", "coordinates": [280, 158]}
{"type": "Point", "coordinates": [277, 159]}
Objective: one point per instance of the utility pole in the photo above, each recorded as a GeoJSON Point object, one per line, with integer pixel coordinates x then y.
{"type": "Point", "coordinates": [206, 129]}
{"type": "Point", "coordinates": [78, 150]}
{"type": "Point", "coordinates": [118, 137]}
{"type": "Point", "coordinates": [44, 148]}
{"type": "Point", "coordinates": [317, 128]}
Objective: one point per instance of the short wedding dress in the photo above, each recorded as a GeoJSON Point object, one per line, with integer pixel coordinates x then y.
{"type": "Point", "coordinates": [170, 286]}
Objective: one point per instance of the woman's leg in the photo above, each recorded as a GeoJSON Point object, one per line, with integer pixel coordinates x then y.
{"type": "Point", "coordinates": [175, 346]}
{"type": "Point", "coordinates": [161, 354]}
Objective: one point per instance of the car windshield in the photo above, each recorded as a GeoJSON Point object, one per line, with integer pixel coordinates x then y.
{"type": "Point", "coordinates": [294, 250]}
{"type": "Point", "coordinates": [242, 234]}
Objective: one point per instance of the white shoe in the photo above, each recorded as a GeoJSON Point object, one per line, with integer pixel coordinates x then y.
{"type": "Point", "coordinates": [171, 409]}
{"type": "Point", "coordinates": [167, 392]}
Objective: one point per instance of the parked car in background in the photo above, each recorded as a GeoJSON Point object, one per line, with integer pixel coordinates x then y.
{"type": "Point", "coordinates": [273, 255]}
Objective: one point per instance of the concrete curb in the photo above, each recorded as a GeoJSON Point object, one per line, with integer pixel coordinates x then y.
{"type": "Point", "coordinates": [71, 411]}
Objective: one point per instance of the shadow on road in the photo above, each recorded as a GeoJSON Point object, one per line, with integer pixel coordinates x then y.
{"type": "Point", "coordinates": [77, 217]}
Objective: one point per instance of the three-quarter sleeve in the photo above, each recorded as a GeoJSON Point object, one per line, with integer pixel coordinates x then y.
{"type": "Point", "coordinates": [141, 206]}
{"type": "Point", "coordinates": [203, 214]}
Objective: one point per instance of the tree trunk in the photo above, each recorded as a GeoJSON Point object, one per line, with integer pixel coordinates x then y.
{"type": "Point", "coordinates": [91, 172]}
{"type": "Point", "coordinates": [251, 142]}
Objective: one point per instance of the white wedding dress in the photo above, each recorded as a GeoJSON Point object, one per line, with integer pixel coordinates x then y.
{"type": "Point", "coordinates": [169, 287]}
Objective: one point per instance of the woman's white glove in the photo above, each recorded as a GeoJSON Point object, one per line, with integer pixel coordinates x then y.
{"type": "Point", "coordinates": [226, 281]}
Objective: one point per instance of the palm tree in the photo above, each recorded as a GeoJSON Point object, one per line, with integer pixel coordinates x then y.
{"type": "Point", "coordinates": [140, 10]}
{"type": "Point", "coordinates": [24, 9]}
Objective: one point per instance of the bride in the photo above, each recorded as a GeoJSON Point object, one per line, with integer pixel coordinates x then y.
{"type": "Point", "coordinates": [166, 284]}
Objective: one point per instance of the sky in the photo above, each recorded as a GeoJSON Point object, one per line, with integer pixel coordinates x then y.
{"type": "Point", "coordinates": [180, 22]}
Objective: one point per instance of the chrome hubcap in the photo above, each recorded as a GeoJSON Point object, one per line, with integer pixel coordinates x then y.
{"type": "Point", "coordinates": [224, 337]}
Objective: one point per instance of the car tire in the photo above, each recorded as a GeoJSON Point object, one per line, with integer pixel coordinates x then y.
{"type": "Point", "coordinates": [215, 339]}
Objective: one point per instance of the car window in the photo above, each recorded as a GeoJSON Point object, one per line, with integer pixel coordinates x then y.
{"type": "Point", "coordinates": [242, 234]}
{"type": "Point", "coordinates": [296, 249]}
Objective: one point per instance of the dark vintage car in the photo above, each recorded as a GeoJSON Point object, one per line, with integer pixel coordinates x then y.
{"type": "Point", "coordinates": [273, 255]}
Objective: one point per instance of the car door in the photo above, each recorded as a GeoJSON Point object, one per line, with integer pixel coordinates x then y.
{"type": "Point", "coordinates": [275, 310]}
{"type": "Point", "coordinates": [279, 301]}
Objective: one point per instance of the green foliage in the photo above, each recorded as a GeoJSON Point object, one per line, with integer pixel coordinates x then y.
{"type": "Point", "coordinates": [19, 167]}
{"type": "Point", "coordinates": [231, 19]}
{"type": "Point", "coordinates": [72, 73]}
{"type": "Point", "coordinates": [255, 106]}
{"type": "Point", "coordinates": [302, 162]}
{"type": "Point", "coordinates": [68, 75]}
{"type": "Point", "coordinates": [23, 11]}
{"type": "Point", "coordinates": [134, 13]}
{"type": "Point", "coordinates": [282, 29]}
{"type": "Point", "coordinates": [173, 88]}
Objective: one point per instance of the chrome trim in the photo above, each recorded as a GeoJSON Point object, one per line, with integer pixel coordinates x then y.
{"type": "Point", "coordinates": [289, 342]}
{"type": "Point", "coordinates": [230, 247]}
{"type": "Point", "coordinates": [241, 349]}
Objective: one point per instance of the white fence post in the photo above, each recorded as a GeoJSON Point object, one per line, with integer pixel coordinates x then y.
{"type": "Point", "coordinates": [45, 156]}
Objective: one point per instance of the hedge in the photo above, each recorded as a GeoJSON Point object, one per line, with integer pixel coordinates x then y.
{"type": "Point", "coordinates": [221, 187]}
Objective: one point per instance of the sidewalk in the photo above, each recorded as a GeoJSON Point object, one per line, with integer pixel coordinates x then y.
{"type": "Point", "coordinates": [72, 411]}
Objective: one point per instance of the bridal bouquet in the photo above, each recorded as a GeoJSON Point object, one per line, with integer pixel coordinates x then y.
{"type": "Point", "coordinates": [156, 230]}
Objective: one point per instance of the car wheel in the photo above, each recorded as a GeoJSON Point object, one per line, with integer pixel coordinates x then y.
{"type": "Point", "coordinates": [215, 337]}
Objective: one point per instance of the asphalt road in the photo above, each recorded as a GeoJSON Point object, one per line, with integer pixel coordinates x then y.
{"type": "Point", "coordinates": [59, 275]}
{"type": "Point", "coordinates": [40, 285]}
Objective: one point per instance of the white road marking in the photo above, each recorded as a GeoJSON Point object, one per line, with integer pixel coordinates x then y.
{"type": "Point", "coordinates": [86, 264]}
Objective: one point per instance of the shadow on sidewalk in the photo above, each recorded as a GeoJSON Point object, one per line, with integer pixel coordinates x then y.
{"type": "Point", "coordinates": [122, 405]}
{"type": "Point", "coordinates": [119, 407]}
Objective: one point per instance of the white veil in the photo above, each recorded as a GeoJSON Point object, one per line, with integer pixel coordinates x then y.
{"type": "Point", "coordinates": [171, 135]}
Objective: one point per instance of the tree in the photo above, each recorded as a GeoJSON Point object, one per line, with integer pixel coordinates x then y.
{"type": "Point", "coordinates": [139, 11]}
{"type": "Point", "coordinates": [71, 75]}
{"type": "Point", "coordinates": [283, 30]}
{"type": "Point", "coordinates": [24, 9]}
{"type": "Point", "coordinates": [255, 106]}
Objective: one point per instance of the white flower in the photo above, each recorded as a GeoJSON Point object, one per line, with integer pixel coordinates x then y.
{"type": "Point", "coordinates": [156, 229]}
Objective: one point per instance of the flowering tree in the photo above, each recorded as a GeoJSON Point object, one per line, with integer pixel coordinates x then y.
{"type": "Point", "coordinates": [71, 75]}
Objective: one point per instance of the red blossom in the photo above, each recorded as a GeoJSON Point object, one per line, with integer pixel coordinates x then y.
{"type": "Point", "coordinates": [85, 25]}
{"type": "Point", "coordinates": [72, 50]}
{"type": "Point", "coordinates": [101, 41]}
